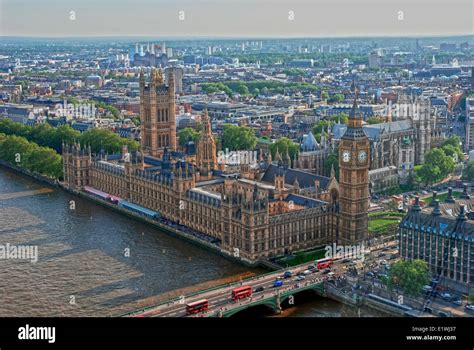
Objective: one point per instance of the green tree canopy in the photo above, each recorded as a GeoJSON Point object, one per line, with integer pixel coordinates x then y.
{"type": "Point", "coordinates": [337, 98]}
{"type": "Point", "coordinates": [237, 138]}
{"type": "Point", "coordinates": [332, 161]}
{"type": "Point", "coordinates": [468, 172]}
{"type": "Point", "coordinates": [20, 152]}
{"type": "Point", "coordinates": [106, 139]}
{"type": "Point", "coordinates": [184, 135]}
{"type": "Point", "coordinates": [436, 167]}
{"type": "Point", "coordinates": [282, 145]}
{"type": "Point", "coordinates": [375, 120]}
{"type": "Point", "coordinates": [408, 275]}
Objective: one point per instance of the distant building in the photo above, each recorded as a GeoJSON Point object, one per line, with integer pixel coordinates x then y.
{"type": "Point", "coordinates": [375, 59]}
{"type": "Point", "coordinates": [469, 144]}
{"type": "Point", "coordinates": [94, 80]}
{"type": "Point", "coordinates": [152, 57]}
{"type": "Point", "coordinates": [447, 47]}
{"type": "Point", "coordinates": [17, 113]}
{"type": "Point", "coordinates": [302, 63]}
{"type": "Point", "coordinates": [383, 179]}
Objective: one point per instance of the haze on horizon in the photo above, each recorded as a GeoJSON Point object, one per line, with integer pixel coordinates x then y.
{"type": "Point", "coordinates": [235, 18]}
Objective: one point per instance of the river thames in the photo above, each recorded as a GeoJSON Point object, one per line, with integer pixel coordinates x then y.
{"type": "Point", "coordinates": [95, 262]}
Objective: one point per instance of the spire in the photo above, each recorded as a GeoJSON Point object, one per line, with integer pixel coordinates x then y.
{"type": "Point", "coordinates": [389, 112]}
{"type": "Point", "coordinates": [353, 87]}
{"type": "Point", "coordinates": [153, 76]}
{"type": "Point", "coordinates": [255, 192]}
{"type": "Point", "coordinates": [296, 184]}
{"type": "Point", "coordinates": [436, 210]}
{"type": "Point", "coordinates": [416, 205]}
{"type": "Point", "coordinates": [333, 172]}
{"type": "Point", "coordinates": [462, 213]}
{"type": "Point", "coordinates": [355, 108]}
{"type": "Point", "coordinates": [159, 76]}
{"type": "Point", "coordinates": [277, 155]}
{"type": "Point", "coordinates": [354, 126]}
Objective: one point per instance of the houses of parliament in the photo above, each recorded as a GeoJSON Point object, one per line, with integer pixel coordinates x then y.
{"type": "Point", "coordinates": [268, 210]}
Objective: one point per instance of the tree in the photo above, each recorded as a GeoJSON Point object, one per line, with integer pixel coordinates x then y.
{"type": "Point", "coordinates": [184, 135]}
{"type": "Point", "coordinates": [337, 98]}
{"type": "Point", "coordinates": [324, 95]}
{"type": "Point", "coordinates": [322, 124]}
{"type": "Point", "coordinates": [342, 118]}
{"type": "Point", "coordinates": [375, 120]}
{"type": "Point", "coordinates": [106, 139]}
{"type": "Point", "coordinates": [243, 90]}
{"type": "Point", "coordinates": [20, 152]}
{"type": "Point", "coordinates": [238, 138]}
{"type": "Point", "coordinates": [452, 147]}
{"type": "Point", "coordinates": [468, 172]}
{"type": "Point", "coordinates": [428, 173]}
{"type": "Point", "coordinates": [453, 152]}
{"type": "Point", "coordinates": [282, 145]}
{"type": "Point", "coordinates": [436, 167]}
{"type": "Point", "coordinates": [409, 276]}
{"type": "Point", "coordinates": [332, 161]}
{"type": "Point", "coordinates": [65, 134]}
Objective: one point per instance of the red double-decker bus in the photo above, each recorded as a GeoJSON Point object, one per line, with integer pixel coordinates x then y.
{"type": "Point", "coordinates": [241, 292]}
{"type": "Point", "coordinates": [197, 306]}
{"type": "Point", "coordinates": [324, 263]}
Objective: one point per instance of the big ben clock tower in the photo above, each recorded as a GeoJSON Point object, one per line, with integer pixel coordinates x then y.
{"type": "Point", "coordinates": [354, 165]}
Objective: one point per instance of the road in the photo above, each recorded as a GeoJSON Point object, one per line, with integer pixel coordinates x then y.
{"type": "Point", "coordinates": [220, 299]}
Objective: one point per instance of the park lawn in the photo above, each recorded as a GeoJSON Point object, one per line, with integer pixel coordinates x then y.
{"type": "Point", "coordinates": [440, 197]}
{"type": "Point", "coordinates": [302, 257]}
{"type": "Point", "coordinates": [380, 225]}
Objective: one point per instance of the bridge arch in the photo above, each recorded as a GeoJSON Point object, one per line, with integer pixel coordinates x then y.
{"type": "Point", "coordinates": [268, 304]}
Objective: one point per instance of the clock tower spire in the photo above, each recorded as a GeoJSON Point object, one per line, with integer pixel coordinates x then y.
{"type": "Point", "coordinates": [354, 155]}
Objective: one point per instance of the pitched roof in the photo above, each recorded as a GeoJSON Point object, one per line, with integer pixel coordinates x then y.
{"type": "Point", "coordinates": [305, 179]}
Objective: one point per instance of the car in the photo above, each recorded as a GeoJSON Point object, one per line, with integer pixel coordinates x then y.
{"type": "Point", "coordinates": [312, 267]}
{"type": "Point", "coordinates": [446, 296]}
{"type": "Point", "coordinates": [287, 274]}
{"type": "Point", "coordinates": [346, 260]}
{"type": "Point", "coordinates": [330, 274]}
{"type": "Point", "coordinates": [457, 302]}
{"type": "Point", "coordinates": [259, 289]}
{"type": "Point", "coordinates": [383, 262]}
{"type": "Point", "coordinates": [370, 274]}
{"type": "Point", "coordinates": [325, 272]}
{"type": "Point", "coordinates": [277, 283]}
{"type": "Point", "coordinates": [306, 272]}
{"type": "Point", "coordinates": [469, 307]}
{"type": "Point", "coordinates": [435, 280]}
{"type": "Point", "coordinates": [300, 273]}
{"type": "Point", "coordinates": [386, 248]}
{"type": "Point", "coordinates": [300, 278]}
{"type": "Point", "coordinates": [442, 314]}
{"type": "Point", "coordinates": [427, 288]}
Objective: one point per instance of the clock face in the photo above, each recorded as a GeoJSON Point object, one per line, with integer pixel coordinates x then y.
{"type": "Point", "coordinates": [345, 156]}
{"type": "Point", "coordinates": [362, 156]}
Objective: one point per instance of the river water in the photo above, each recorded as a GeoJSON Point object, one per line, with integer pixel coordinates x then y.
{"type": "Point", "coordinates": [92, 261]}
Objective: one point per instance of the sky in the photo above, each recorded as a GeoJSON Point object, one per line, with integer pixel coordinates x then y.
{"type": "Point", "coordinates": [235, 18]}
